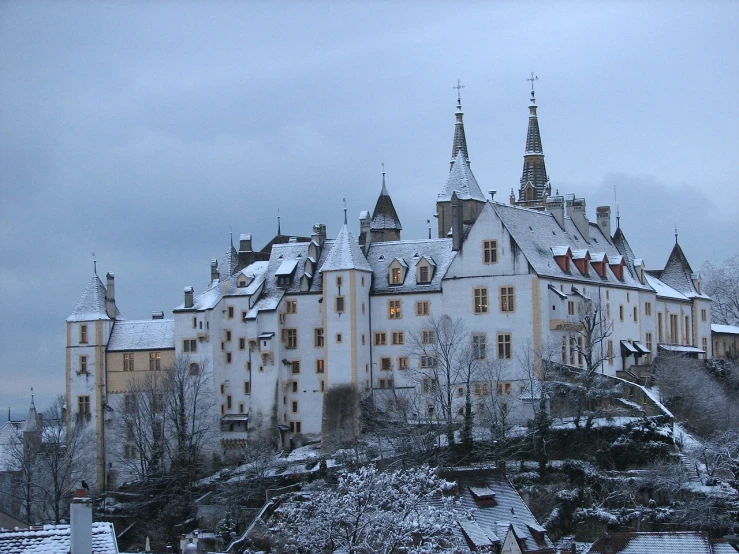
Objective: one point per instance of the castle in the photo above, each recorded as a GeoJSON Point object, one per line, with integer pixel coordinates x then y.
{"type": "Point", "coordinates": [277, 329]}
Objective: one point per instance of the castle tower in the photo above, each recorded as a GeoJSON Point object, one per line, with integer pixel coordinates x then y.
{"type": "Point", "coordinates": [385, 224]}
{"type": "Point", "coordinates": [88, 331]}
{"type": "Point", "coordinates": [535, 186]}
{"type": "Point", "coordinates": [460, 181]}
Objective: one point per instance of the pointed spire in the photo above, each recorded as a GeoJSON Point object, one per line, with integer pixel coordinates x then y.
{"type": "Point", "coordinates": [91, 305]}
{"type": "Point", "coordinates": [460, 141]}
{"type": "Point", "coordinates": [345, 254]}
{"type": "Point", "coordinates": [385, 217]}
{"type": "Point", "coordinates": [278, 223]}
{"type": "Point", "coordinates": [344, 199]}
{"type": "Point", "coordinates": [534, 179]}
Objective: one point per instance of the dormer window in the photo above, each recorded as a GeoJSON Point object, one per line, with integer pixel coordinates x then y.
{"type": "Point", "coordinates": [285, 272]}
{"type": "Point", "coordinates": [397, 271]}
{"type": "Point", "coordinates": [598, 263]}
{"type": "Point", "coordinates": [582, 261]}
{"type": "Point", "coordinates": [617, 266]}
{"type": "Point", "coordinates": [425, 270]}
{"type": "Point", "coordinates": [562, 255]}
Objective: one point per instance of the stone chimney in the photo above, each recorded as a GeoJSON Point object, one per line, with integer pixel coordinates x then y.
{"type": "Point", "coordinates": [110, 296]}
{"type": "Point", "coordinates": [556, 207]}
{"type": "Point", "coordinates": [603, 215]}
{"type": "Point", "coordinates": [189, 297]}
{"type": "Point", "coordinates": [457, 223]}
{"type": "Point", "coordinates": [319, 234]}
{"type": "Point", "coordinates": [245, 243]}
{"type": "Point", "coordinates": [80, 528]}
{"type": "Point", "coordinates": [576, 211]}
{"type": "Point", "coordinates": [214, 271]}
{"type": "Point", "coordinates": [365, 236]}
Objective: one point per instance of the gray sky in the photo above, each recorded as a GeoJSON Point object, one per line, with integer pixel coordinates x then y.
{"type": "Point", "coordinates": [144, 131]}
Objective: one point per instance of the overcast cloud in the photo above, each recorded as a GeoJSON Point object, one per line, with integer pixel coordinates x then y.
{"type": "Point", "coordinates": [145, 131]}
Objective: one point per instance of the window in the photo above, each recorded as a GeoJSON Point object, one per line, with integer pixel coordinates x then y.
{"type": "Point", "coordinates": [128, 361]}
{"type": "Point", "coordinates": [323, 386]}
{"type": "Point", "coordinates": [423, 308]}
{"type": "Point", "coordinates": [705, 347]}
{"type": "Point", "coordinates": [320, 367]}
{"type": "Point", "coordinates": [247, 387]}
{"type": "Point", "coordinates": [608, 311]}
{"type": "Point", "coordinates": [194, 322]}
{"type": "Point", "coordinates": [266, 358]}
{"type": "Point", "coordinates": [229, 357]}
{"type": "Point", "coordinates": [649, 347]}
{"type": "Point", "coordinates": [508, 388]}
{"type": "Point", "coordinates": [295, 427]}
{"type": "Point", "coordinates": [403, 362]}
{"type": "Point", "coordinates": [155, 361]}
{"type": "Point", "coordinates": [83, 405]}
{"type": "Point", "coordinates": [339, 304]}
{"type": "Point", "coordinates": [490, 251]}
{"type": "Point", "coordinates": [580, 358]}
{"type": "Point", "coordinates": [157, 402]}
{"type": "Point", "coordinates": [83, 334]}
{"type": "Point", "coordinates": [424, 276]}
{"type": "Point", "coordinates": [507, 299]}
{"type": "Point", "coordinates": [396, 276]}
{"type": "Point", "coordinates": [628, 297]}
{"type": "Point", "coordinates": [564, 350]}
{"type": "Point", "coordinates": [295, 367]}
{"type": "Point", "coordinates": [228, 335]}
{"type": "Point", "coordinates": [242, 343]}
{"type": "Point", "coordinates": [504, 346]}
{"type": "Point", "coordinates": [429, 385]}
{"type": "Point", "coordinates": [648, 308]}
{"type": "Point", "coordinates": [241, 407]}
{"type": "Point", "coordinates": [190, 345]}
{"type": "Point", "coordinates": [380, 339]}
{"type": "Point", "coordinates": [621, 312]}
{"type": "Point", "coordinates": [386, 383]}
{"type": "Point", "coordinates": [479, 346]}
{"type": "Point", "coordinates": [570, 307]}
{"type": "Point", "coordinates": [386, 364]}
{"type": "Point", "coordinates": [291, 338]}
{"type": "Point", "coordinates": [339, 282]}
{"type": "Point", "coordinates": [394, 309]}
{"type": "Point", "coordinates": [194, 369]}
{"type": "Point", "coordinates": [83, 364]}
{"type": "Point", "coordinates": [364, 339]}
{"type": "Point", "coordinates": [482, 389]}
{"type": "Point", "coordinates": [481, 300]}
{"type": "Point", "coordinates": [230, 310]}
{"type": "Point", "coordinates": [129, 451]}
{"type": "Point", "coordinates": [688, 339]}
{"type": "Point", "coordinates": [295, 406]}
{"type": "Point", "coordinates": [428, 336]}
{"type": "Point", "coordinates": [291, 306]}
{"type": "Point", "coordinates": [295, 386]}
{"type": "Point", "coordinates": [428, 362]}
{"type": "Point", "coordinates": [673, 329]}
{"type": "Point", "coordinates": [703, 314]}
{"type": "Point", "coordinates": [610, 350]}
{"type": "Point", "coordinates": [243, 316]}
{"type": "Point", "coordinates": [460, 391]}
{"type": "Point", "coordinates": [318, 337]}
{"type": "Point", "coordinates": [573, 350]}
{"type": "Point", "coordinates": [223, 388]}
{"type": "Point", "coordinates": [636, 314]}
{"type": "Point", "coordinates": [129, 403]}
{"type": "Point", "coordinates": [659, 327]}
{"type": "Point", "coordinates": [398, 337]}
{"type": "Point", "coordinates": [339, 338]}
{"type": "Point", "coordinates": [229, 402]}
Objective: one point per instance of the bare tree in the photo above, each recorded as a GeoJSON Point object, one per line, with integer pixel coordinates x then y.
{"type": "Point", "coordinates": [722, 285]}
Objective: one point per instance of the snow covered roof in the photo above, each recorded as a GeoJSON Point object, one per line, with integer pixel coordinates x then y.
{"type": "Point", "coordinates": [55, 539]}
{"type": "Point", "coordinates": [345, 254]}
{"type": "Point", "coordinates": [679, 275]}
{"type": "Point", "coordinates": [382, 254]}
{"type": "Point", "coordinates": [663, 290]}
{"type": "Point", "coordinates": [686, 349]}
{"type": "Point", "coordinates": [675, 542]}
{"type": "Point", "coordinates": [385, 216]}
{"type": "Point", "coordinates": [286, 267]}
{"type": "Point", "coordinates": [725, 329]}
{"type": "Point", "coordinates": [622, 245]}
{"type": "Point", "coordinates": [462, 181]}
{"type": "Point", "coordinates": [155, 334]}
{"type": "Point", "coordinates": [210, 298]}
{"type": "Point", "coordinates": [539, 237]}
{"type": "Point", "coordinates": [91, 306]}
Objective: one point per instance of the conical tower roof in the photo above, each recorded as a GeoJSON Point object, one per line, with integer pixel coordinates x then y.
{"type": "Point", "coordinates": [91, 306]}
{"type": "Point", "coordinates": [460, 141]}
{"type": "Point", "coordinates": [534, 170]}
{"type": "Point", "coordinates": [385, 217]}
{"type": "Point", "coordinates": [677, 272]}
{"type": "Point", "coordinates": [31, 423]}
{"type": "Point", "coordinates": [345, 254]}
{"type": "Point", "coordinates": [462, 181]}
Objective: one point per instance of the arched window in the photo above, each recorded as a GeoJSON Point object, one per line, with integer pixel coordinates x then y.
{"type": "Point", "coordinates": [194, 369]}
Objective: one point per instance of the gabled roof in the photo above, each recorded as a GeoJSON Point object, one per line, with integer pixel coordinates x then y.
{"type": "Point", "coordinates": [724, 329]}
{"type": "Point", "coordinates": [345, 254]}
{"type": "Point", "coordinates": [210, 298]}
{"type": "Point", "coordinates": [91, 306]}
{"type": "Point", "coordinates": [675, 542]}
{"type": "Point", "coordinates": [385, 216]}
{"type": "Point", "coordinates": [623, 246]}
{"type": "Point", "coordinates": [55, 539]}
{"type": "Point", "coordinates": [462, 181]}
{"type": "Point", "coordinates": [154, 334]}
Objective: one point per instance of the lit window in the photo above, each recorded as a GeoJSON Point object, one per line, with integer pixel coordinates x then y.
{"type": "Point", "coordinates": [320, 367]}
{"type": "Point", "coordinates": [481, 300]}
{"type": "Point", "coordinates": [128, 361]}
{"type": "Point", "coordinates": [507, 299]}
{"type": "Point", "coordinates": [479, 346]}
{"type": "Point", "coordinates": [394, 309]}
{"type": "Point", "coordinates": [398, 337]}
{"type": "Point", "coordinates": [318, 337]}
{"type": "Point", "coordinates": [504, 346]}
{"type": "Point", "coordinates": [83, 334]}
{"type": "Point", "coordinates": [291, 338]}
{"type": "Point", "coordinates": [490, 251]}
{"type": "Point", "coordinates": [155, 361]}
{"type": "Point", "coordinates": [423, 308]}
{"type": "Point", "coordinates": [380, 339]}
{"type": "Point", "coordinates": [396, 277]}
{"type": "Point", "coordinates": [403, 362]}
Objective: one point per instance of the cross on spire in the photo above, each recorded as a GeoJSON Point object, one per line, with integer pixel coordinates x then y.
{"type": "Point", "coordinates": [532, 79]}
{"type": "Point", "coordinates": [459, 87]}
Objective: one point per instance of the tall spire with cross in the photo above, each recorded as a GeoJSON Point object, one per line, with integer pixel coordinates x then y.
{"type": "Point", "coordinates": [460, 141]}
{"type": "Point", "coordinates": [534, 179]}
